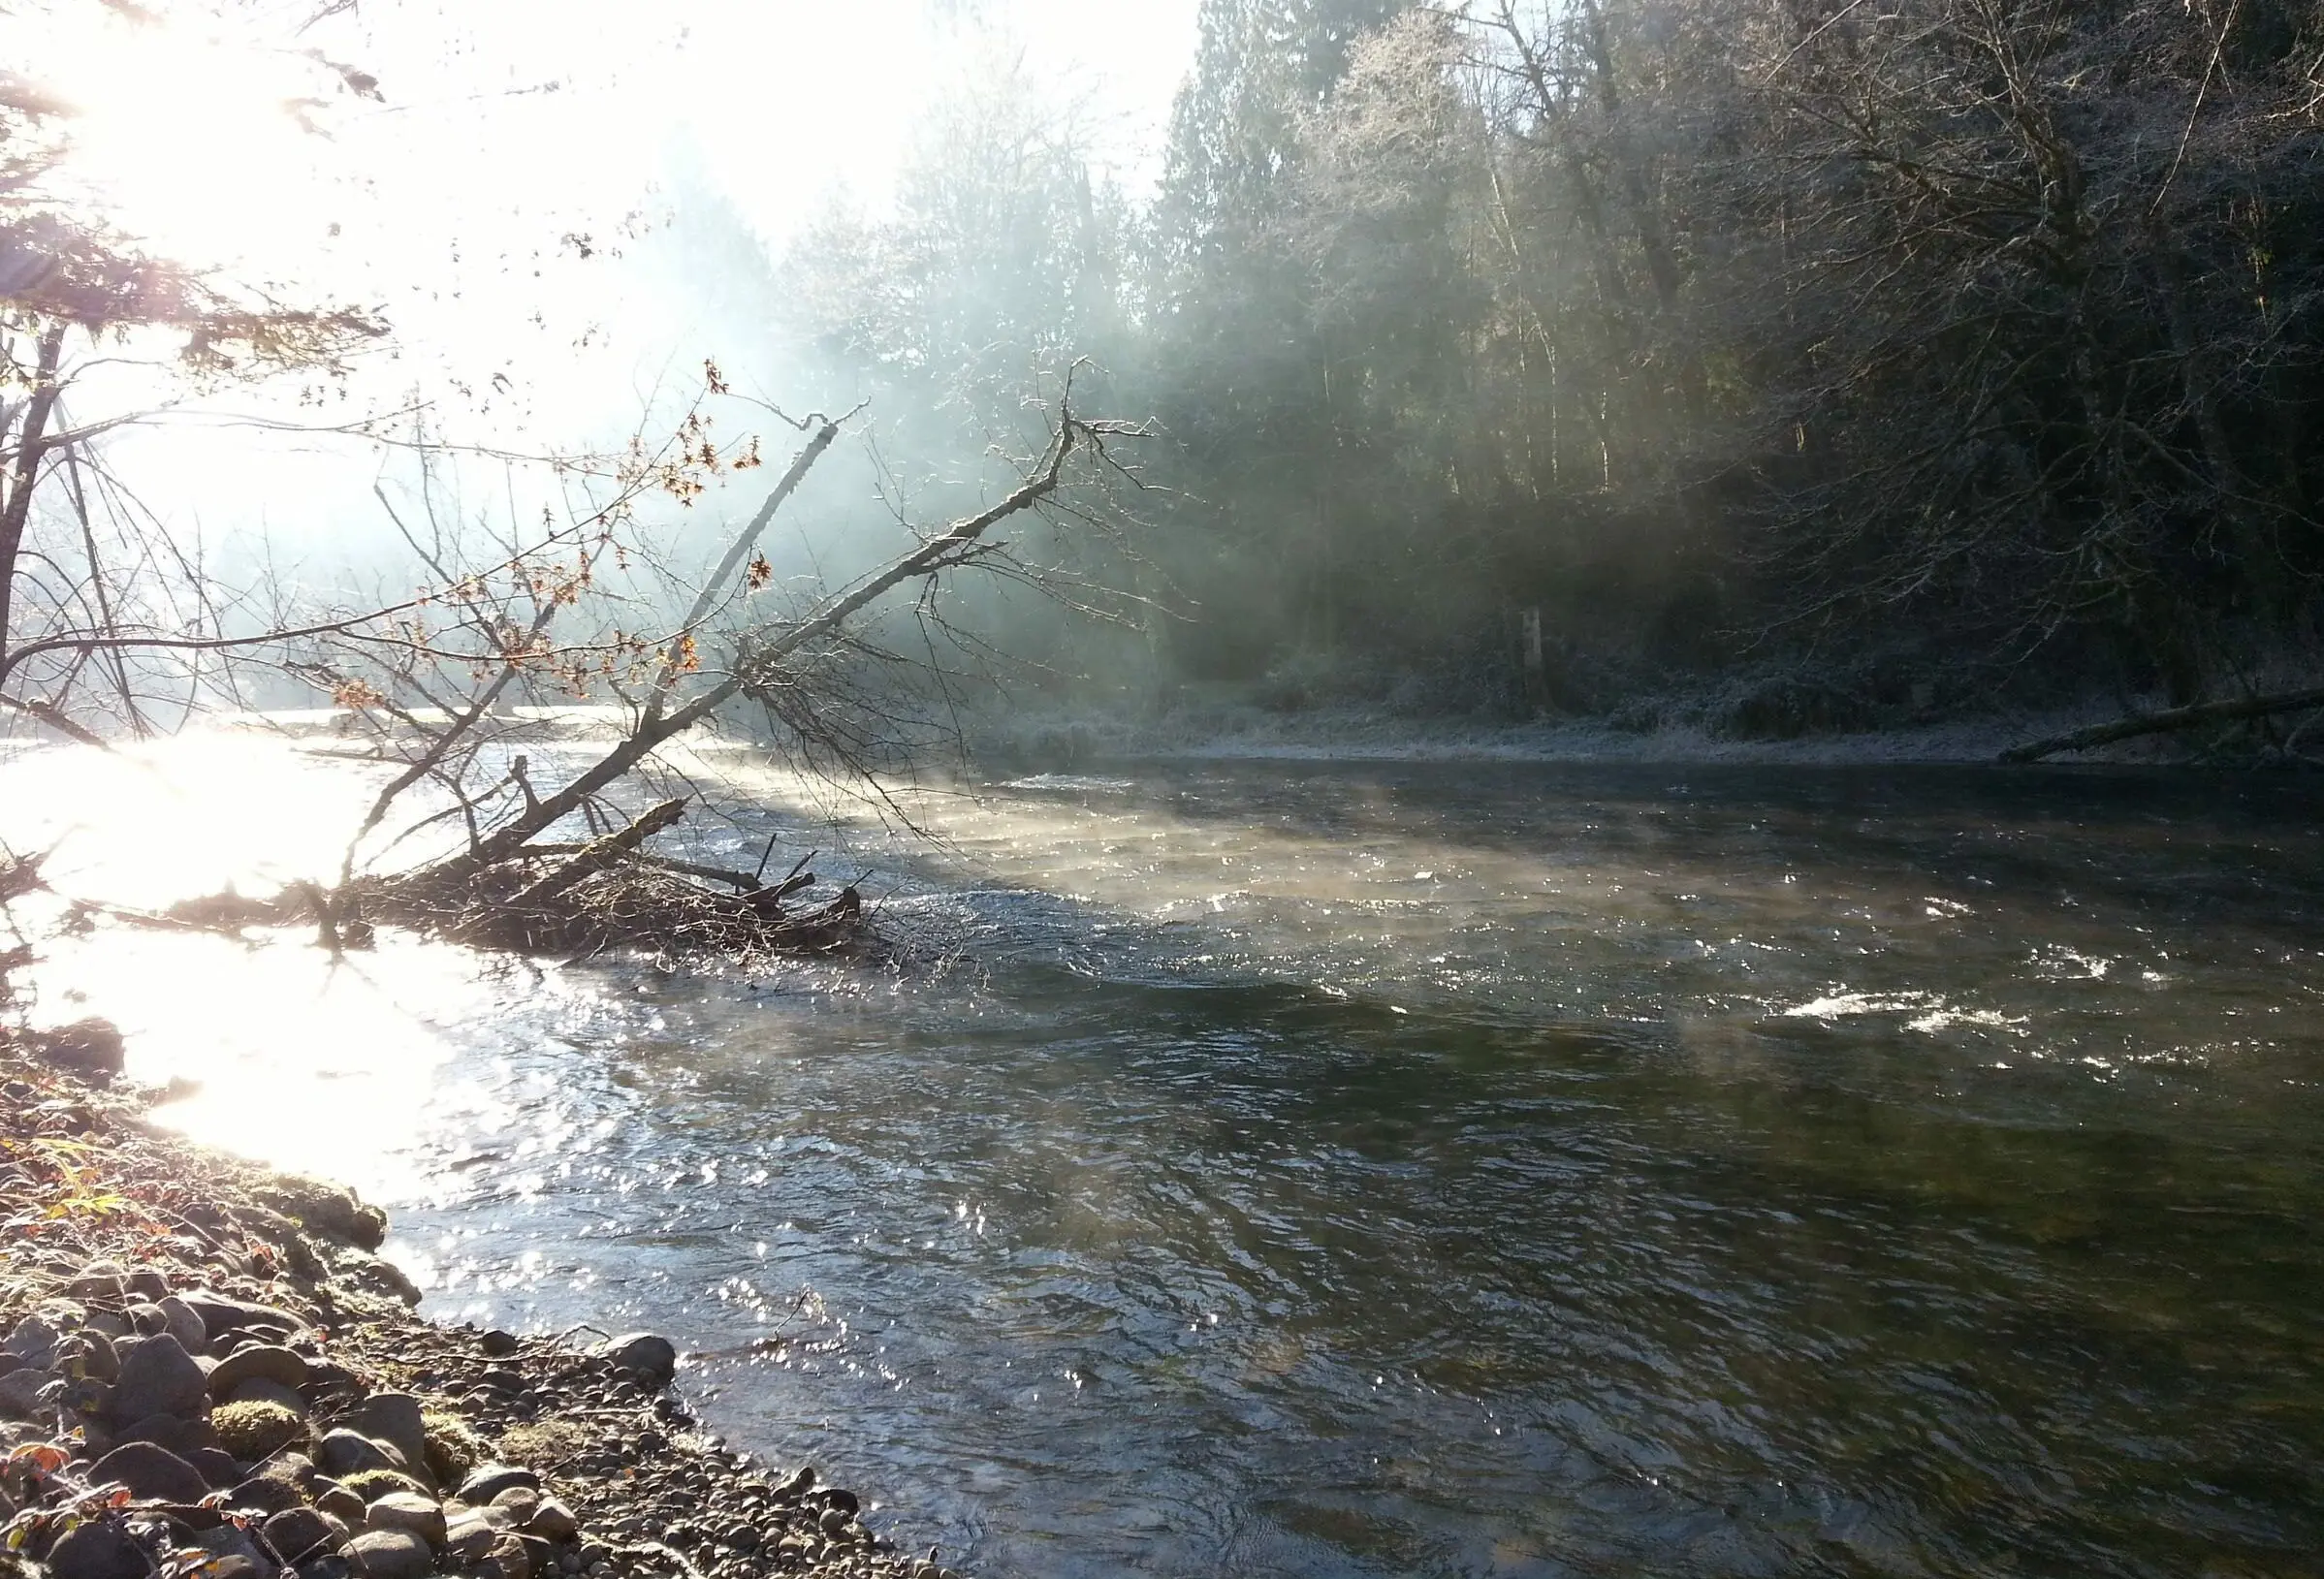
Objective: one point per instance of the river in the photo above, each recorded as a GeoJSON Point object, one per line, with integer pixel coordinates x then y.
{"type": "Point", "coordinates": [1319, 1169]}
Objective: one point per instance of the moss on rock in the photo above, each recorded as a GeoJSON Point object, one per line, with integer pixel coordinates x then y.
{"type": "Point", "coordinates": [373, 1484]}
{"type": "Point", "coordinates": [453, 1449]}
{"type": "Point", "coordinates": [255, 1430]}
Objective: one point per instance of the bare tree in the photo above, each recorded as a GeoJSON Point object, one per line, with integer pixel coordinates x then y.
{"type": "Point", "coordinates": [569, 618]}
{"type": "Point", "coordinates": [100, 603]}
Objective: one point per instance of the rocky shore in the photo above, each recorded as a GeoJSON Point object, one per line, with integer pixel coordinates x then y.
{"type": "Point", "coordinates": [208, 1372]}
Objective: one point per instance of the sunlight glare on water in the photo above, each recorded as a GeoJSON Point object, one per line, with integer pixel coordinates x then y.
{"type": "Point", "coordinates": [292, 1056]}
{"type": "Point", "coordinates": [156, 821]}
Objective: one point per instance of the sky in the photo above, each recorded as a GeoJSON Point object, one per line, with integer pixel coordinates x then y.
{"type": "Point", "coordinates": [498, 113]}
{"type": "Point", "coordinates": [520, 150]}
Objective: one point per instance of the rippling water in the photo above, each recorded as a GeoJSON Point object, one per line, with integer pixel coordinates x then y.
{"type": "Point", "coordinates": [1309, 1169]}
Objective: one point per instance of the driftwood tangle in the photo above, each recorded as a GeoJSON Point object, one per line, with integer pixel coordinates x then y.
{"type": "Point", "coordinates": [577, 899]}
{"type": "Point", "coordinates": [608, 893]}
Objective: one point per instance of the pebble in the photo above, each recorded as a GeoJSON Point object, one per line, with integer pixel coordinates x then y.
{"type": "Point", "coordinates": [719, 1505]}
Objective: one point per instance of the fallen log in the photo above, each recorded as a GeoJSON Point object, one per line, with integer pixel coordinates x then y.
{"type": "Point", "coordinates": [599, 854]}
{"type": "Point", "coordinates": [2165, 722]}
{"type": "Point", "coordinates": [741, 880]}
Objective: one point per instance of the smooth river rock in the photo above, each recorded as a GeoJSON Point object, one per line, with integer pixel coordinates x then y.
{"type": "Point", "coordinates": [266, 1495]}
{"type": "Point", "coordinates": [258, 1362]}
{"type": "Point", "coordinates": [89, 1047]}
{"type": "Point", "coordinates": [410, 1512]}
{"type": "Point", "coordinates": [153, 1474]}
{"type": "Point", "coordinates": [470, 1535]}
{"type": "Point", "coordinates": [258, 1390]}
{"type": "Point", "coordinates": [19, 1394]}
{"type": "Point", "coordinates": [350, 1452]}
{"type": "Point", "coordinates": [99, 1549]}
{"type": "Point", "coordinates": [390, 1554]}
{"type": "Point", "coordinates": [176, 1432]}
{"type": "Point", "coordinates": [301, 1533]}
{"type": "Point", "coordinates": [553, 1521]}
{"type": "Point", "coordinates": [94, 1352]}
{"type": "Point", "coordinates": [158, 1377]}
{"type": "Point", "coordinates": [649, 1357]}
{"type": "Point", "coordinates": [222, 1313]}
{"type": "Point", "coordinates": [186, 1325]}
{"type": "Point", "coordinates": [489, 1480]}
{"type": "Point", "coordinates": [33, 1342]}
{"type": "Point", "coordinates": [392, 1418]}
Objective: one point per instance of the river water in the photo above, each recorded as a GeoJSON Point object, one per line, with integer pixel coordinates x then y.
{"type": "Point", "coordinates": [1312, 1169]}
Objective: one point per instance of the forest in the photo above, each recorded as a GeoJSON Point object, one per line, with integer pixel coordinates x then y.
{"type": "Point", "coordinates": [1769, 367]}
{"type": "Point", "coordinates": [1849, 362]}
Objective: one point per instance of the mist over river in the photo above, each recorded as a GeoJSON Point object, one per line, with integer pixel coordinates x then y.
{"type": "Point", "coordinates": [1318, 1169]}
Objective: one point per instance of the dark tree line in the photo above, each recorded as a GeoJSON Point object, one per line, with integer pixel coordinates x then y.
{"type": "Point", "coordinates": [1924, 337]}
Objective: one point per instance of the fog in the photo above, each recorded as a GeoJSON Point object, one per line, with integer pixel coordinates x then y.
{"type": "Point", "coordinates": [559, 210]}
{"type": "Point", "coordinates": [1608, 362]}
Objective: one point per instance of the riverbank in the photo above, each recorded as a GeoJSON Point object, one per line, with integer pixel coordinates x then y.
{"type": "Point", "coordinates": [1065, 740]}
{"type": "Point", "coordinates": [206, 1366]}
